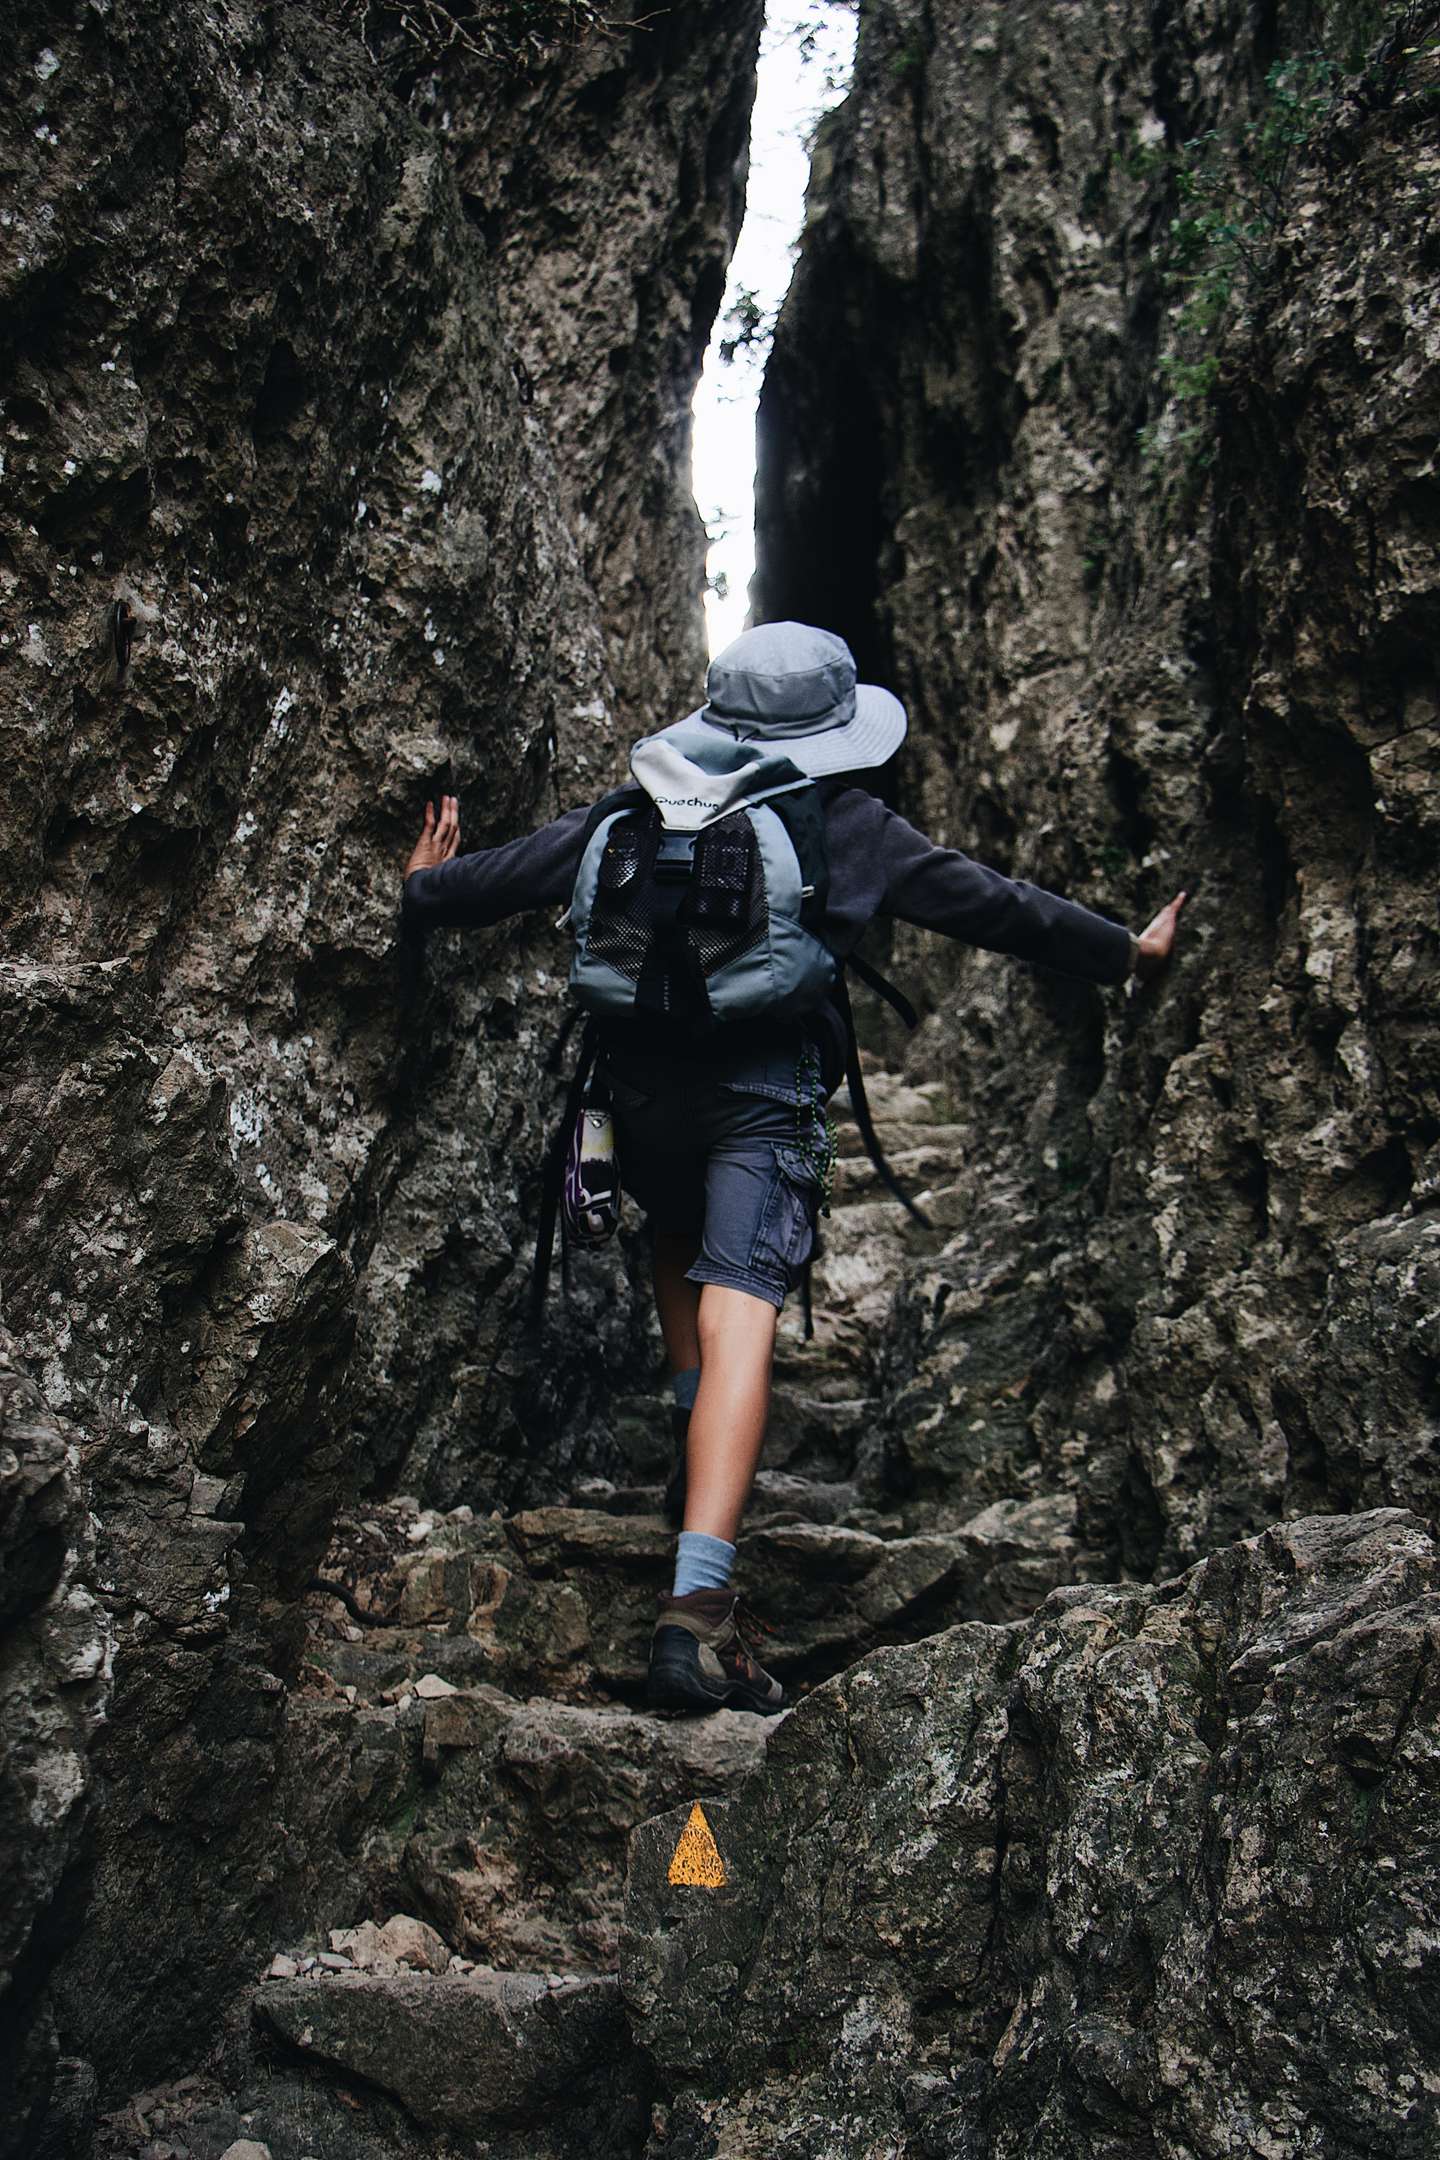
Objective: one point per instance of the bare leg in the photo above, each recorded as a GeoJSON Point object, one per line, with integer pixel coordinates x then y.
{"type": "Point", "coordinates": [727, 1425]}
{"type": "Point", "coordinates": [677, 1300]}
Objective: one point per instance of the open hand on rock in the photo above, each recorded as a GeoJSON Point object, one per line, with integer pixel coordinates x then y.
{"type": "Point", "coordinates": [439, 837]}
{"type": "Point", "coordinates": [1157, 938]}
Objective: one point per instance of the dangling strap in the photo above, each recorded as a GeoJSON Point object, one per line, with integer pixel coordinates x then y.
{"type": "Point", "coordinates": [860, 1105]}
{"type": "Point", "coordinates": [883, 987]}
{"type": "Point", "coordinates": [807, 1298]}
{"type": "Point", "coordinates": [561, 1044]}
{"type": "Point", "coordinates": [553, 1182]}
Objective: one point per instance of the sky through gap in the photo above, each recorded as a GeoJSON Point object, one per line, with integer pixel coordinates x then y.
{"type": "Point", "coordinates": [806, 53]}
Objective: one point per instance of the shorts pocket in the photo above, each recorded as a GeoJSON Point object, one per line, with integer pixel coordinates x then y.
{"type": "Point", "coordinates": [769, 1073]}
{"type": "Point", "coordinates": [785, 1234]}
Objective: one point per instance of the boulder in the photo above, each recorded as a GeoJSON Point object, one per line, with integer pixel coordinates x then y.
{"type": "Point", "coordinates": [1151, 1871]}
{"type": "Point", "coordinates": [471, 2053]}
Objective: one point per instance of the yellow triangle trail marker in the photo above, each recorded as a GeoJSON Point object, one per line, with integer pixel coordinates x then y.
{"type": "Point", "coordinates": [696, 1858]}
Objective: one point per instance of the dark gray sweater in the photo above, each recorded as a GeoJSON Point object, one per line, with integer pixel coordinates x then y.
{"type": "Point", "coordinates": [879, 865]}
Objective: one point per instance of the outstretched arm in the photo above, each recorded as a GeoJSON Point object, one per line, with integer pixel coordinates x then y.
{"type": "Point", "coordinates": [443, 887]}
{"type": "Point", "coordinates": [941, 889]}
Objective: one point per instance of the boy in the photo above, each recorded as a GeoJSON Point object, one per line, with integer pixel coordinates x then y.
{"type": "Point", "coordinates": [721, 1135]}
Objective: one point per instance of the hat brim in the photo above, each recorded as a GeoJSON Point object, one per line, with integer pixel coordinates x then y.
{"type": "Point", "coordinates": [871, 738]}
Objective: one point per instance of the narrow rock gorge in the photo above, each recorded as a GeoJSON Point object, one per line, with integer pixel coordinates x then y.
{"type": "Point", "coordinates": [345, 427]}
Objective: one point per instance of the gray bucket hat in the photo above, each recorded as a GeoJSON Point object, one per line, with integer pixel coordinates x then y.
{"type": "Point", "coordinates": [792, 685]}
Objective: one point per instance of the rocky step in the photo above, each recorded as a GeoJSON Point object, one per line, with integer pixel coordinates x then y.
{"type": "Point", "coordinates": [778, 1496]}
{"type": "Point", "coordinates": [468, 2052]}
{"type": "Point", "coordinates": [501, 1823]}
{"type": "Point", "coordinates": [521, 2063]}
{"type": "Point", "coordinates": [819, 1424]}
{"type": "Point", "coordinates": [893, 1101]}
{"type": "Point", "coordinates": [561, 1601]}
{"type": "Point", "coordinates": [1035, 1890]}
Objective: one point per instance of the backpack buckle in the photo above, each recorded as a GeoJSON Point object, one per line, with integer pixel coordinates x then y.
{"type": "Point", "coordinates": [675, 856]}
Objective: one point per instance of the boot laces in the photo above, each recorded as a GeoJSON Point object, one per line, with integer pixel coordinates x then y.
{"type": "Point", "coordinates": [750, 1628]}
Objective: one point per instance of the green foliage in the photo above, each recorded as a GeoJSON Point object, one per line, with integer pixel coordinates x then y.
{"type": "Point", "coordinates": [1234, 199]}
{"type": "Point", "coordinates": [747, 322]}
{"type": "Point", "coordinates": [1234, 192]}
{"type": "Point", "coordinates": [808, 40]}
{"type": "Point", "coordinates": [402, 1822]}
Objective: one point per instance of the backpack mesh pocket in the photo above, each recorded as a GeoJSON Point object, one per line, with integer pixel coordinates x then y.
{"type": "Point", "coordinates": [725, 911]}
{"type": "Point", "coordinates": [623, 913]}
{"type": "Point", "coordinates": [721, 914]}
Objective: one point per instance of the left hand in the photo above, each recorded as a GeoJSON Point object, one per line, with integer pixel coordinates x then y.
{"type": "Point", "coordinates": [439, 836]}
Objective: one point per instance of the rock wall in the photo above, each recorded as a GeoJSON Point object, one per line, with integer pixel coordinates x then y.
{"type": "Point", "coordinates": [608, 292]}
{"type": "Point", "coordinates": [1145, 1874]}
{"type": "Point", "coordinates": [1148, 641]}
{"type": "Point", "coordinates": [55, 1655]}
{"type": "Point", "coordinates": [372, 414]}
{"type": "Point", "coordinates": [263, 1197]}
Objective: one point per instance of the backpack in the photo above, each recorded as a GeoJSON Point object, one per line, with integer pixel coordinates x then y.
{"type": "Point", "coordinates": [702, 928]}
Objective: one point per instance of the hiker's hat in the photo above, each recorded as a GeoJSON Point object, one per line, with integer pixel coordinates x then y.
{"type": "Point", "coordinates": [792, 685]}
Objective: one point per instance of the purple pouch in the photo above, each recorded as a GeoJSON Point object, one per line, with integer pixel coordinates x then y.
{"type": "Point", "coordinates": [591, 1198]}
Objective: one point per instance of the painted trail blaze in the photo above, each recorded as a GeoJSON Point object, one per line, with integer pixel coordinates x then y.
{"type": "Point", "coordinates": [696, 1858]}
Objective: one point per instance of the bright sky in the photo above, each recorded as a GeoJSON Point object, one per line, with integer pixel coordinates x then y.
{"type": "Point", "coordinates": [805, 58]}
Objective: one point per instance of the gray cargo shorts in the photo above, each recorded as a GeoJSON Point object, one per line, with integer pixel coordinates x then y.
{"type": "Point", "coordinates": [725, 1151]}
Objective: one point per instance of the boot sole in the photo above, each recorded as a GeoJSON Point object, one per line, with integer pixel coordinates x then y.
{"type": "Point", "coordinates": [677, 1688]}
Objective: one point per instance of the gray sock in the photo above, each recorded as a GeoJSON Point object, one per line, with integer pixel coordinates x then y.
{"type": "Point", "coordinates": [684, 1386]}
{"type": "Point", "coordinates": [702, 1563]}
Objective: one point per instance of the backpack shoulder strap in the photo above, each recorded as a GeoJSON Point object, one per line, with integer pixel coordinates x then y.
{"type": "Point", "coordinates": [629, 797]}
{"type": "Point", "coordinates": [802, 813]}
{"type": "Point", "coordinates": [894, 997]}
{"type": "Point", "coordinates": [860, 1105]}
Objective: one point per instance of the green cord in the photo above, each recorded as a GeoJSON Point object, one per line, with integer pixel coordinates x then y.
{"type": "Point", "coordinates": [815, 1129]}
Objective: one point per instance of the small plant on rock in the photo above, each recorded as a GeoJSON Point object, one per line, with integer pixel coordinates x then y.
{"type": "Point", "coordinates": [747, 325]}
{"type": "Point", "coordinates": [1235, 192]}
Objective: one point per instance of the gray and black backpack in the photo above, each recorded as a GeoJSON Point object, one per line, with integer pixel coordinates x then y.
{"type": "Point", "coordinates": [702, 928]}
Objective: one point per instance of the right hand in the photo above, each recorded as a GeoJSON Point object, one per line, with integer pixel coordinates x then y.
{"type": "Point", "coordinates": [1157, 938]}
{"type": "Point", "coordinates": [439, 836]}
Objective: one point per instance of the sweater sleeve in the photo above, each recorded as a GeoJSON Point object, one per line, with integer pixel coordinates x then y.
{"type": "Point", "coordinates": [472, 891]}
{"type": "Point", "coordinates": [941, 889]}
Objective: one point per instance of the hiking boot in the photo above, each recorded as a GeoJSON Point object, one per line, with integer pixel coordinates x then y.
{"type": "Point", "coordinates": [701, 1656]}
{"type": "Point", "coordinates": [675, 1484]}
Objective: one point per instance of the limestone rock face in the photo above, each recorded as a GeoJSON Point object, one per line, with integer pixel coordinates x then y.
{"type": "Point", "coordinates": [1192, 1264]}
{"type": "Point", "coordinates": [608, 291]}
{"type": "Point", "coordinates": [1149, 1872]}
{"type": "Point", "coordinates": [284, 548]}
{"type": "Point", "coordinates": [55, 1653]}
